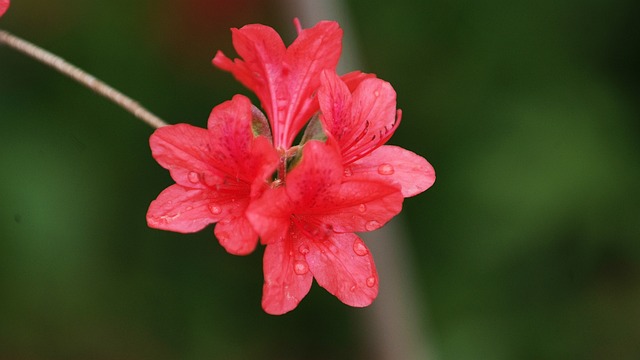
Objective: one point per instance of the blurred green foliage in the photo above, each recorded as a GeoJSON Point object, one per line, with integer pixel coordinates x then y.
{"type": "Point", "coordinates": [527, 247]}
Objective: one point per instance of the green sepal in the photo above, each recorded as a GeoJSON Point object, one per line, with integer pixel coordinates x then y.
{"type": "Point", "coordinates": [260, 124]}
{"type": "Point", "coordinates": [314, 130]}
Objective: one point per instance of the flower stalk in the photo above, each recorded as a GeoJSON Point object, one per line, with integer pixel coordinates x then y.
{"type": "Point", "coordinates": [80, 76]}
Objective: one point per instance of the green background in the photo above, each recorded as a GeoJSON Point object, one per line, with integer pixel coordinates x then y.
{"type": "Point", "coordinates": [527, 246]}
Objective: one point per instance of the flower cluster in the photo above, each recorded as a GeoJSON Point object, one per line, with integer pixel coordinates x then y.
{"type": "Point", "coordinates": [305, 202]}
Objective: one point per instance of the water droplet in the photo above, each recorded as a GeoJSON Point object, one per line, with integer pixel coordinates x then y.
{"type": "Point", "coordinates": [347, 172]}
{"type": "Point", "coordinates": [360, 248]}
{"type": "Point", "coordinates": [194, 177]}
{"type": "Point", "coordinates": [362, 208]}
{"type": "Point", "coordinates": [301, 267]}
{"type": "Point", "coordinates": [215, 210]}
{"type": "Point", "coordinates": [371, 281]}
{"type": "Point", "coordinates": [303, 249]}
{"type": "Point", "coordinates": [189, 208]}
{"type": "Point", "coordinates": [385, 169]}
{"type": "Point", "coordinates": [168, 218]}
{"type": "Point", "coordinates": [316, 232]}
{"type": "Point", "coordinates": [376, 93]}
{"type": "Point", "coordinates": [372, 225]}
{"type": "Point", "coordinates": [353, 288]}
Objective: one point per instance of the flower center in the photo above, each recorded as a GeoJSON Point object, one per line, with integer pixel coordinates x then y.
{"type": "Point", "coordinates": [288, 158]}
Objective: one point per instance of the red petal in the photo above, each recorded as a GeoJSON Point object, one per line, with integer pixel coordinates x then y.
{"type": "Point", "coordinates": [357, 206]}
{"type": "Point", "coordinates": [354, 78]}
{"type": "Point", "coordinates": [318, 173]}
{"type": "Point", "coordinates": [344, 266]}
{"type": "Point", "coordinates": [187, 210]}
{"type": "Point", "coordinates": [396, 165]}
{"type": "Point", "coordinates": [231, 142]}
{"type": "Point", "coordinates": [361, 121]}
{"type": "Point", "coordinates": [4, 5]}
{"type": "Point", "coordinates": [374, 104]}
{"type": "Point", "coordinates": [262, 161]}
{"type": "Point", "coordinates": [287, 278]}
{"type": "Point", "coordinates": [335, 102]}
{"type": "Point", "coordinates": [316, 49]}
{"type": "Point", "coordinates": [374, 101]}
{"type": "Point", "coordinates": [182, 209]}
{"type": "Point", "coordinates": [183, 150]}
{"type": "Point", "coordinates": [262, 52]}
{"type": "Point", "coordinates": [283, 79]}
{"type": "Point", "coordinates": [316, 194]}
{"type": "Point", "coordinates": [270, 215]}
{"type": "Point", "coordinates": [236, 235]}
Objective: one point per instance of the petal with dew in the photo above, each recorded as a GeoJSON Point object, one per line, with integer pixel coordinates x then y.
{"type": "Point", "coordinates": [231, 140]}
{"type": "Point", "coordinates": [360, 121]}
{"type": "Point", "coordinates": [287, 278]}
{"type": "Point", "coordinates": [395, 165]}
{"type": "Point", "coordinates": [357, 206]}
{"type": "Point", "coordinates": [344, 266]}
{"type": "Point", "coordinates": [284, 79]}
{"type": "Point", "coordinates": [236, 235]}
{"type": "Point", "coordinates": [315, 49]}
{"type": "Point", "coordinates": [184, 150]}
{"type": "Point", "coordinates": [262, 52]}
{"type": "Point", "coordinates": [183, 210]}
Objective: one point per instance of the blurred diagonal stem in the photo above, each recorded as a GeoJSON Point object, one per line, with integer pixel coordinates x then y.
{"type": "Point", "coordinates": [80, 76]}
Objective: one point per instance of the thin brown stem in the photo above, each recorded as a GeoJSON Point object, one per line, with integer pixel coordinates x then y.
{"type": "Point", "coordinates": [80, 76]}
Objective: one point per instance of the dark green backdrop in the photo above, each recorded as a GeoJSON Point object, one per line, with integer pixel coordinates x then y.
{"type": "Point", "coordinates": [527, 247]}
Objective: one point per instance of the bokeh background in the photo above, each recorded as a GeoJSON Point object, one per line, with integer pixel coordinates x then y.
{"type": "Point", "coordinates": [527, 246]}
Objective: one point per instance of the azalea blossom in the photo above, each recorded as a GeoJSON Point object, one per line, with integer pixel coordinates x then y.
{"type": "Point", "coordinates": [4, 5]}
{"type": "Point", "coordinates": [217, 172]}
{"type": "Point", "coordinates": [308, 225]}
{"type": "Point", "coordinates": [285, 79]}
{"type": "Point", "coordinates": [304, 202]}
{"type": "Point", "coordinates": [362, 122]}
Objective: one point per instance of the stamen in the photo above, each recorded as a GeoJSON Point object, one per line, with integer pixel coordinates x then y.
{"type": "Point", "coordinates": [296, 22]}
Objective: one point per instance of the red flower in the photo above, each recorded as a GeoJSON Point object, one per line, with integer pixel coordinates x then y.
{"type": "Point", "coordinates": [4, 5]}
{"type": "Point", "coordinates": [217, 172]}
{"type": "Point", "coordinates": [361, 122]}
{"type": "Point", "coordinates": [304, 202]}
{"type": "Point", "coordinates": [308, 227]}
{"type": "Point", "coordinates": [284, 79]}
